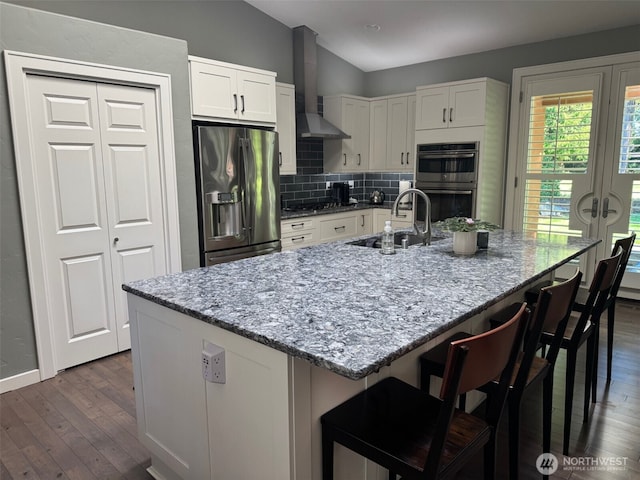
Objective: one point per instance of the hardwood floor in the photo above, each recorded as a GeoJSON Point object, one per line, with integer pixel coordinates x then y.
{"type": "Point", "coordinates": [81, 424]}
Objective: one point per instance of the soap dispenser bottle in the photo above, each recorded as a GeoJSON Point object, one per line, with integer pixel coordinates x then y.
{"type": "Point", "coordinates": [387, 239]}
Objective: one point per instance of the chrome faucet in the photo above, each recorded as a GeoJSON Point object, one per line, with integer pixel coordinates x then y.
{"type": "Point", "coordinates": [426, 234]}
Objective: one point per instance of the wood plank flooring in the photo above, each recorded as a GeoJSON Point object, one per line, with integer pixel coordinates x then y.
{"type": "Point", "coordinates": [81, 424]}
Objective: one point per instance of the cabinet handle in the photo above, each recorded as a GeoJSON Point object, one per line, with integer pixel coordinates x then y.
{"type": "Point", "coordinates": [594, 208]}
{"type": "Point", "coordinates": [242, 99]}
{"type": "Point", "coordinates": [297, 239]}
{"type": "Point", "coordinates": [444, 115]}
{"type": "Point", "coordinates": [362, 224]}
{"type": "Point", "coordinates": [407, 158]}
{"type": "Point", "coordinates": [402, 158]}
{"type": "Point", "coordinates": [339, 228]}
{"type": "Point", "coordinates": [116, 240]}
{"type": "Point", "coordinates": [235, 103]}
{"type": "Point", "coordinates": [280, 158]}
{"type": "Point", "coordinates": [297, 225]}
{"type": "Point", "coordinates": [345, 159]}
{"type": "Point", "coordinates": [359, 159]}
{"type": "Point", "coordinates": [451, 114]}
{"type": "Point", "coordinates": [606, 209]}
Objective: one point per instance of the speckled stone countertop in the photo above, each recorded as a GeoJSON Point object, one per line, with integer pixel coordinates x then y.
{"type": "Point", "coordinates": [287, 214]}
{"type": "Point", "coordinates": [350, 309]}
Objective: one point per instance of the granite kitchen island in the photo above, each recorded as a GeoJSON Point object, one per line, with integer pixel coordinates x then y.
{"type": "Point", "coordinates": [302, 331]}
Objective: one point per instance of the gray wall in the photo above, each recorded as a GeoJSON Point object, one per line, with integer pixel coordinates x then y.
{"type": "Point", "coordinates": [231, 31]}
{"type": "Point", "coordinates": [32, 31]}
{"type": "Point", "coordinates": [499, 64]}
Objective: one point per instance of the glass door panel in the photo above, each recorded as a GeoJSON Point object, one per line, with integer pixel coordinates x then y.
{"type": "Point", "coordinates": [620, 212]}
{"type": "Point", "coordinates": [559, 157]}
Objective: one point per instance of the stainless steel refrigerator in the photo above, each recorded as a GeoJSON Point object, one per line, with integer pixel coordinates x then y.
{"type": "Point", "coordinates": [238, 187]}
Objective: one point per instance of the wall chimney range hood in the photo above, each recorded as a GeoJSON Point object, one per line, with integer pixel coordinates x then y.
{"type": "Point", "coordinates": [309, 123]}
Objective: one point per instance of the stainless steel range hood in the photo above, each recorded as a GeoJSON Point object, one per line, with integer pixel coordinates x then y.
{"type": "Point", "coordinates": [309, 123]}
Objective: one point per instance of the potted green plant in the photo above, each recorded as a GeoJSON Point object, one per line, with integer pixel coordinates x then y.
{"type": "Point", "coordinates": [465, 232]}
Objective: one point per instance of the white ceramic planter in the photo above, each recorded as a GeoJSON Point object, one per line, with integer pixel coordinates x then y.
{"type": "Point", "coordinates": [465, 243]}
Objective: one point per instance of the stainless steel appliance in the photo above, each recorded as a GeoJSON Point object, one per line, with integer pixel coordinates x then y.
{"type": "Point", "coordinates": [448, 174]}
{"type": "Point", "coordinates": [238, 192]}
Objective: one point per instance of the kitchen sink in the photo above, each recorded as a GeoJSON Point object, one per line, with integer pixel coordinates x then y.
{"type": "Point", "coordinates": [376, 241]}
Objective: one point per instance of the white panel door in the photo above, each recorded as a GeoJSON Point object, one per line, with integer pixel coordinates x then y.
{"type": "Point", "coordinates": [99, 207]}
{"type": "Point", "coordinates": [73, 218]}
{"type": "Point", "coordinates": [133, 193]}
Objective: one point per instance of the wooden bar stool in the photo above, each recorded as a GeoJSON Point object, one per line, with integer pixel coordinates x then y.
{"type": "Point", "coordinates": [552, 312]}
{"type": "Point", "coordinates": [626, 244]}
{"type": "Point", "coordinates": [417, 436]}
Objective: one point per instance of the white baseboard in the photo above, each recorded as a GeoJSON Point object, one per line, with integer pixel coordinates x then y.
{"type": "Point", "coordinates": [18, 381]}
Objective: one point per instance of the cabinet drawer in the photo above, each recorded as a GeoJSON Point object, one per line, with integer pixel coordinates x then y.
{"type": "Point", "coordinates": [295, 226]}
{"type": "Point", "coordinates": [298, 240]}
{"type": "Point", "coordinates": [335, 229]}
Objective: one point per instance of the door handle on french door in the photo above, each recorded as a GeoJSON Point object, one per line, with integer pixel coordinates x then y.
{"type": "Point", "coordinates": [594, 208]}
{"type": "Point", "coordinates": [605, 208]}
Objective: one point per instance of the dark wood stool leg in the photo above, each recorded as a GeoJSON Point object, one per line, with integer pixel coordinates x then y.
{"type": "Point", "coordinates": [588, 377]}
{"type": "Point", "coordinates": [568, 399]}
{"type": "Point", "coordinates": [594, 363]}
{"type": "Point", "coordinates": [547, 406]}
{"type": "Point", "coordinates": [514, 436]}
{"type": "Point", "coordinates": [327, 456]}
{"type": "Point", "coordinates": [611, 313]}
{"type": "Point", "coordinates": [490, 457]}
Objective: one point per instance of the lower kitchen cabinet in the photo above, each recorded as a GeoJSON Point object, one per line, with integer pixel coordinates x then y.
{"type": "Point", "coordinates": [403, 220]}
{"type": "Point", "coordinates": [306, 231]}
{"type": "Point", "coordinates": [299, 232]}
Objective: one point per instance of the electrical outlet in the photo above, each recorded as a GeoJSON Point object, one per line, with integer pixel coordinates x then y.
{"type": "Point", "coordinates": [351, 183]}
{"type": "Point", "coordinates": [328, 185]}
{"type": "Point", "coordinates": [213, 363]}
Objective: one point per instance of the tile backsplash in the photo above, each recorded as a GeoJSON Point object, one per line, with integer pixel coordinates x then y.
{"type": "Point", "coordinates": [309, 184]}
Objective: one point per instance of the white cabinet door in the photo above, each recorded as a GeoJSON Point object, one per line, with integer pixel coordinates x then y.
{"type": "Point", "coordinates": [213, 90]}
{"type": "Point", "coordinates": [432, 108]}
{"type": "Point", "coordinates": [364, 223]}
{"type": "Point", "coordinates": [256, 97]}
{"type": "Point", "coordinates": [286, 127]}
{"type": "Point", "coordinates": [397, 134]}
{"type": "Point", "coordinates": [378, 135]}
{"type": "Point", "coordinates": [100, 205]}
{"type": "Point", "coordinates": [461, 104]}
{"type": "Point", "coordinates": [467, 104]}
{"type": "Point", "coordinates": [231, 92]}
{"type": "Point", "coordinates": [351, 115]}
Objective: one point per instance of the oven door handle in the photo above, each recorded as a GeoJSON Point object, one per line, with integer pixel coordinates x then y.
{"type": "Point", "coordinates": [447, 155]}
{"type": "Point", "coordinates": [448, 192]}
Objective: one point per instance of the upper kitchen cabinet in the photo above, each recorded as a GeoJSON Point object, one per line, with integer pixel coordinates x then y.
{"type": "Point", "coordinates": [392, 130]}
{"type": "Point", "coordinates": [233, 93]}
{"type": "Point", "coordinates": [456, 104]}
{"type": "Point", "coordinates": [286, 128]}
{"type": "Point", "coordinates": [351, 115]}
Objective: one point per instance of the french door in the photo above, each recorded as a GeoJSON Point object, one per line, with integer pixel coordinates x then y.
{"type": "Point", "coordinates": [576, 142]}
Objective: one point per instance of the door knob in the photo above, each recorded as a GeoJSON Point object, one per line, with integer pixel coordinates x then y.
{"type": "Point", "coordinates": [116, 240]}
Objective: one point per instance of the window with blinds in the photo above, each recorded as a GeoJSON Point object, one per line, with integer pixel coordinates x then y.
{"type": "Point", "coordinates": [629, 161]}
{"type": "Point", "coordinates": [558, 148]}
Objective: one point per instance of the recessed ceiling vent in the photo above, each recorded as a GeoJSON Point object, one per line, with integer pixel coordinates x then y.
{"type": "Point", "coordinates": [309, 123]}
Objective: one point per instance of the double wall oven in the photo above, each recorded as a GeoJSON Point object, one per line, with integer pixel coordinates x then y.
{"type": "Point", "coordinates": [448, 174]}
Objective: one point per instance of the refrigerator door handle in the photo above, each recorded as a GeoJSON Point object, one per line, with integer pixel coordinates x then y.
{"type": "Point", "coordinates": [246, 199]}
